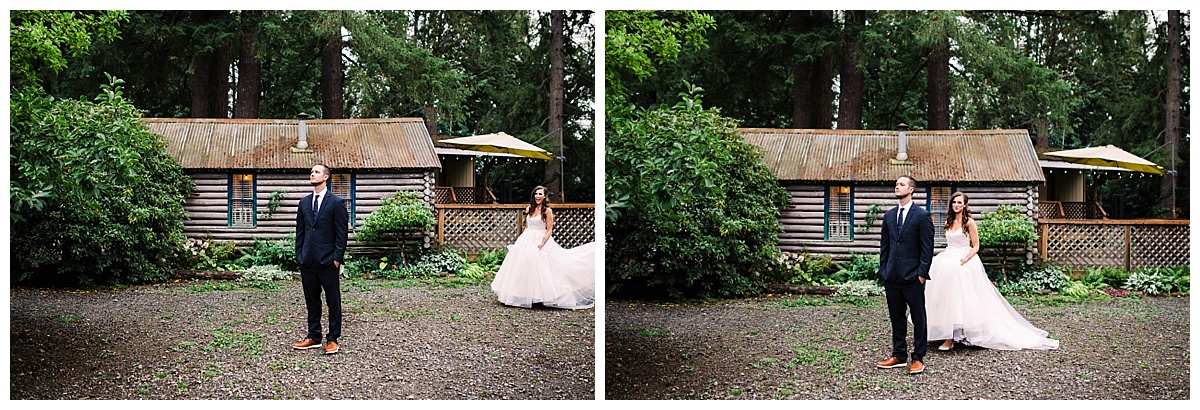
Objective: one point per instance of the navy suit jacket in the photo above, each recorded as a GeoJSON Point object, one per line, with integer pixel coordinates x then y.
{"type": "Point", "coordinates": [320, 240]}
{"type": "Point", "coordinates": [906, 254]}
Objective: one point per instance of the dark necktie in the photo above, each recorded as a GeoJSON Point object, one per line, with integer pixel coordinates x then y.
{"type": "Point", "coordinates": [901, 225]}
{"type": "Point", "coordinates": [316, 204]}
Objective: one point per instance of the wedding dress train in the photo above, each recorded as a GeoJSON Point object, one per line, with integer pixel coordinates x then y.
{"type": "Point", "coordinates": [552, 276]}
{"type": "Point", "coordinates": [962, 304]}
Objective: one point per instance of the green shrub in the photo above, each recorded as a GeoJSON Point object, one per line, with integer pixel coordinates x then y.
{"type": "Point", "coordinates": [1051, 278]}
{"type": "Point", "coordinates": [1181, 276]}
{"type": "Point", "coordinates": [1007, 230]}
{"type": "Point", "coordinates": [1151, 281]}
{"type": "Point", "coordinates": [701, 214]}
{"type": "Point", "coordinates": [281, 253]}
{"type": "Point", "coordinates": [1077, 290]}
{"type": "Point", "coordinates": [491, 259]}
{"type": "Point", "coordinates": [95, 197]}
{"type": "Point", "coordinates": [802, 269]}
{"type": "Point", "coordinates": [426, 266]}
{"type": "Point", "coordinates": [405, 212]}
{"type": "Point", "coordinates": [1102, 277]}
{"type": "Point", "coordinates": [267, 273]}
{"type": "Point", "coordinates": [209, 254]}
{"type": "Point", "coordinates": [859, 288]}
{"type": "Point", "coordinates": [861, 266]}
{"type": "Point", "coordinates": [358, 266]}
{"type": "Point", "coordinates": [475, 272]}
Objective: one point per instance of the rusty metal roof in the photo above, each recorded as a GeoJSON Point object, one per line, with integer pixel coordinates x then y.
{"type": "Point", "coordinates": [371, 143]}
{"type": "Point", "coordinates": [865, 156]}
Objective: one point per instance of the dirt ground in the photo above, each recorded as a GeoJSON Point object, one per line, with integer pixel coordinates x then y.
{"type": "Point", "coordinates": [221, 340]}
{"type": "Point", "coordinates": [763, 349]}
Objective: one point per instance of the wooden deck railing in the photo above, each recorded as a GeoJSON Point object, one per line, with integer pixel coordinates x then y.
{"type": "Point", "coordinates": [1130, 244]}
{"type": "Point", "coordinates": [478, 227]}
{"type": "Point", "coordinates": [463, 195]}
{"type": "Point", "coordinates": [1071, 210]}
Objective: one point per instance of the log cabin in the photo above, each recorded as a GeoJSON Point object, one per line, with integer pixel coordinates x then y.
{"type": "Point", "coordinates": [250, 174]}
{"type": "Point", "coordinates": [841, 181]}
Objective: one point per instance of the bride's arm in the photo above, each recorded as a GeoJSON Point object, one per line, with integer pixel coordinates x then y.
{"type": "Point", "coordinates": [549, 227]}
{"type": "Point", "coordinates": [974, 241]}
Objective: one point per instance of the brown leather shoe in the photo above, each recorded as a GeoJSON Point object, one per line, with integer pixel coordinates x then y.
{"type": "Point", "coordinates": [916, 367]}
{"type": "Point", "coordinates": [307, 343]}
{"type": "Point", "coordinates": [890, 363]}
{"type": "Point", "coordinates": [331, 347]}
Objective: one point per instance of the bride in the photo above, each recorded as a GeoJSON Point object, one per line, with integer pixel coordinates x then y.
{"type": "Point", "coordinates": [538, 270]}
{"type": "Point", "coordinates": [962, 305]}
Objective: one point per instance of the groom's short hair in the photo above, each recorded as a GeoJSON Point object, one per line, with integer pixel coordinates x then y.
{"type": "Point", "coordinates": [911, 180]}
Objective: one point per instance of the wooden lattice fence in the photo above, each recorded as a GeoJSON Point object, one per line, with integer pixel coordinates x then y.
{"type": "Point", "coordinates": [1070, 210]}
{"type": "Point", "coordinates": [463, 195]}
{"type": "Point", "coordinates": [478, 227]}
{"type": "Point", "coordinates": [1128, 244]}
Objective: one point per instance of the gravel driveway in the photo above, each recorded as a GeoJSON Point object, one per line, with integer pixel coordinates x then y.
{"type": "Point", "coordinates": [761, 349]}
{"type": "Point", "coordinates": [204, 340]}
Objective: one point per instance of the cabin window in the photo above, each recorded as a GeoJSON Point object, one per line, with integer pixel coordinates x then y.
{"type": "Point", "coordinates": [242, 212]}
{"type": "Point", "coordinates": [937, 201]}
{"type": "Point", "coordinates": [342, 185]}
{"type": "Point", "coordinates": [839, 214]}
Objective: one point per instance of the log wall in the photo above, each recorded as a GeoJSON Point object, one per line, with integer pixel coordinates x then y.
{"type": "Point", "coordinates": [208, 207]}
{"type": "Point", "coordinates": [804, 219]}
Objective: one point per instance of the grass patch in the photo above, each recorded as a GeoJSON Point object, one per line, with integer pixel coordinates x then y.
{"type": "Point", "coordinates": [857, 301]}
{"type": "Point", "coordinates": [65, 318]}
{"type": "Point", "coordinates": [246, 343]}
{"type": "Point", "coordinates": [832, 361]}
{"type": "Point", "coordinates": [185, 345]}
{"type": "Point", "coordinates": [266, 286]}
{"type": "Point", "coordinates": [651, 332]}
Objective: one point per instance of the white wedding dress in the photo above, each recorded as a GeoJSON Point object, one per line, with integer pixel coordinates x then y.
{"type": "Point", "coordinates": [962, 304]}
{"type": "Point", "coordinates": [552, 276]}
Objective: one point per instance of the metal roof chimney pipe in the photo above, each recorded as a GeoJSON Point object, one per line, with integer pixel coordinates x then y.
{"type": "Point", "coordinates": [303, 130]}
{"type": "Point", "coordinates": [903, 154]}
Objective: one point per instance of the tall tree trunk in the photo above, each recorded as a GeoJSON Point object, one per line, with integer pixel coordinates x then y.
{"type": "Point", "coordinates": [1173, 104]}
{"type": "Point", "coordinates": [823, 68]}
{"type": "Point", "coordinates": [850, 106]}
{"type": "Point", "coordinates": [1043, 132]}
{"type": "Point", "coordinates": [801, 78]}
{"type": "Point", "coordinates": [331, 76]}
{"type": "Point", "coordinates": [554, 168]}
{"type": "Point", "coordinates": [431, 119]}
{"type": "Point", "coordinates": [202, 71]}
{"type": "Point", "coordinates": [938, 85]}
{"type": "Point", "coordinates": [249, 85]}
{"type": "Point", "coordinates": [222, 64]}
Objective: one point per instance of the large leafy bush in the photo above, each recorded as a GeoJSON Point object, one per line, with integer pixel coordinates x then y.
{"type": "Point", "coordinates": [1007, 230]}
{"type": "Point", "coordinates": [699, 206]}
{"type": "Point", "coordinates": [404, 212]}
{"type": "Point", "coordinates": [95, 199]}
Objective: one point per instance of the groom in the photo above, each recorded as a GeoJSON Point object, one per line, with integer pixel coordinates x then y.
{"type": "Point", "coordinates": [322, 225]}
{"type": "Point", "coordinates": [905, 251]}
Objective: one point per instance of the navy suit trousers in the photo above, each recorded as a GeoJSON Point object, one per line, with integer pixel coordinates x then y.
{"type": "Point", "coordinates": [910, 296]}
{"type": "Point", "coordinates": [327, 279]}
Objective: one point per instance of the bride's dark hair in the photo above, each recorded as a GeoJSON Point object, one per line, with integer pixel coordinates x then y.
{"type": "Point", "coordinates": [533, 202]}
{"type": "Point", "coordinates": [951, 216]}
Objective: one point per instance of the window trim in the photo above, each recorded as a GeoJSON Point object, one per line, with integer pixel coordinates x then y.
{"type": "Point", "coordinates": [827, 212]}
{"type": "Point", "coordinates": [353, 205]}
{"type": "Point", "coordinates": [231, 200]}
{"type": "Point", "coordinates": [939, 237]}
